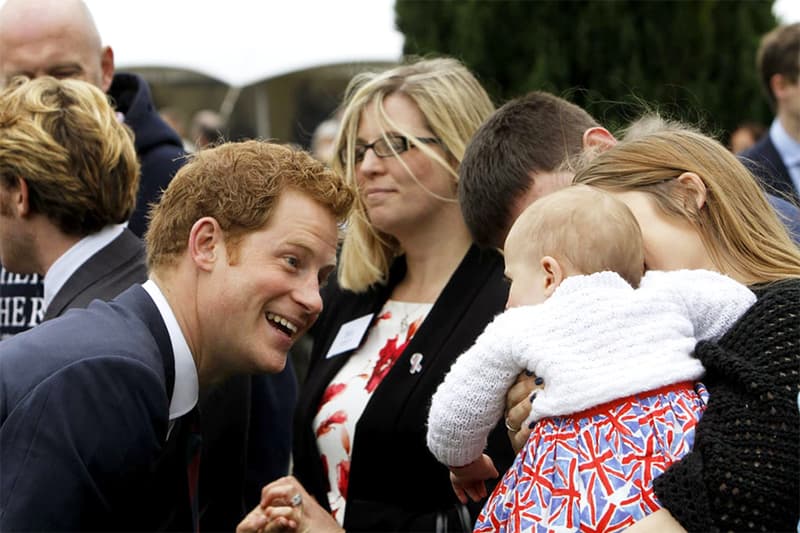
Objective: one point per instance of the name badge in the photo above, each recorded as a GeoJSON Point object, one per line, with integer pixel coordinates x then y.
{"type": "Point", "coordinates": [350, 335]}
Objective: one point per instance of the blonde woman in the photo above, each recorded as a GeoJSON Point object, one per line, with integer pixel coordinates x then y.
{"type": "Point", "coordinates": [698, 207]}
{"type": "Point", "coordinates": [412, 294]}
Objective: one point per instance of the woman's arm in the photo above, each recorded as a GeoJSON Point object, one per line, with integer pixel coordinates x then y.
{"type": "Point", "coordinates": [658, 522]}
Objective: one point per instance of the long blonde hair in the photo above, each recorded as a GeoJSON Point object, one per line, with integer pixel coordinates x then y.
{"type": "Point", "coordinates": [453, 104]}
{"type": "Point", "coordinates": [737, 224]}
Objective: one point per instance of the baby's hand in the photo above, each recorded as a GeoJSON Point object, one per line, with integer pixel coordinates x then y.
{"type": "Point", "coordinates": [468, 480]}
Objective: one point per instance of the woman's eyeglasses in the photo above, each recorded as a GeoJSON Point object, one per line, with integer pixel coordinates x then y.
{"type": "Point", "coordinates": [386, 147]}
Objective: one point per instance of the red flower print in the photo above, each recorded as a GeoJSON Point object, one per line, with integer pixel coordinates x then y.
{"type": "Point", "coordinates": [386, 358]}
{"type": "Point", "coordinates": [331, 392]}
{"type": "Point", "coordinates": [339, 417]}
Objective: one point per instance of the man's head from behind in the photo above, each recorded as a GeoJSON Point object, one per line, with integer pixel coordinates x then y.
{"type": "Point", "coordinates": [778, 62]}
{"type": "Point", "coordinates": [64, 157]}
{"type": "Point", "coordinates": [518, 155]}
{"type": "Point", "coordinates": [52, 38]}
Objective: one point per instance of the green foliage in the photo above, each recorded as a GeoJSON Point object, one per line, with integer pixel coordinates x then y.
{"type": "Point", "coordinates": [690, 60]}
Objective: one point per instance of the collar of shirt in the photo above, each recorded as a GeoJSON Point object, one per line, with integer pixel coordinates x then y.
{"type": "Point", "coordinates": [787, 147]}
{"type": "Point", "coordinates": [184, 394]}
{"type": "Point", "coordinates": [71, 260]}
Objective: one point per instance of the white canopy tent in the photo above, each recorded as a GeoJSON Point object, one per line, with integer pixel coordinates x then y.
{"type": "Point", "coordinates": [240, 42]}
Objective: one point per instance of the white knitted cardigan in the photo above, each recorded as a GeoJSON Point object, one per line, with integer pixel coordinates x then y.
{"type": "Point", "coordinates": [596, 339]}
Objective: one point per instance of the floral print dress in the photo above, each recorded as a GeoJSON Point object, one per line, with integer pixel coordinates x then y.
{"type": "Point", "coordinates": [347, 396]}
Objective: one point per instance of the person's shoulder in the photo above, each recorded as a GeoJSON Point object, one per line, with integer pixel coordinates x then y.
{"type": "Point", "coordinates": [66, 351]}
{"type": "Point", "coordinates": [757, 151]}
{"type": "Point", "coordinates": [787, 289]}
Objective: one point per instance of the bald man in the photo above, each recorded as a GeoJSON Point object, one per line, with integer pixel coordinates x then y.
{"type": "Point", "coordinates": [59, 38]}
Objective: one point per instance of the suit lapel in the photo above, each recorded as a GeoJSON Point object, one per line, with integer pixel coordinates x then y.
{"type": "Point", "coordinates": [119, 252]}
{"type": "Point", "coordinates": [139, 302]}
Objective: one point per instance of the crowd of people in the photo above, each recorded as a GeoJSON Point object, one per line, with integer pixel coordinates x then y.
{"type": "Point", "coordinates": [517, 321]}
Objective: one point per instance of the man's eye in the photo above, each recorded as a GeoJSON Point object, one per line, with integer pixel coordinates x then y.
{"type": "Point", "coordinates": [292, 261]}
{"type": "Point", "coordinates": [64, 74]}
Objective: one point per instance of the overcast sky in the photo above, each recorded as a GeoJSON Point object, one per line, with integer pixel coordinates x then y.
{"type": "Point", "coordinates": [242, 41]}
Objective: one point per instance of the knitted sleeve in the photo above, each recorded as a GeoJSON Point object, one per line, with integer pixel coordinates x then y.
{"type": "Point", "coordinates": [712, 300]}
{"type": "Point", "coordinates": [744, 470]}
{"type": "Point", "coordinates": [471, 399]}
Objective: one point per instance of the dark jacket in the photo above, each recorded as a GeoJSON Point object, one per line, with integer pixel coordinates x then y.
{"type": "Point", "coordinates": [84, 407]}
{"type": "Point", "coordinates": [764, 161]}
{"type": "Point", "coordinates": [395, 483]}
{"type": "Point", "coordinates": [114, 268]}
{"type": "Point", "coordinates": [159, 148]}
{"type": "Point", "coordinates": [743, 473]}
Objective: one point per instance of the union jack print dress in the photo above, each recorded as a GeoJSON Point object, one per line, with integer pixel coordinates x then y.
{"type": "Point", "coordinates": [593, 471]}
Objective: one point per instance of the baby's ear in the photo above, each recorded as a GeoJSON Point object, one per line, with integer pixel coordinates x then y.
{"type": "Point", "coordinates": [553, 274]}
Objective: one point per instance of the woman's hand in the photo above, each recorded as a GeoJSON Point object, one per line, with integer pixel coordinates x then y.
{"type": "Point", "coordinates": [286, 506]}
{"type": "Point", "coordinates": [518, 407]}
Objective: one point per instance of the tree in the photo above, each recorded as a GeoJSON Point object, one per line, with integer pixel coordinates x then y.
{"type": "Point", "coordinates": [691, 60]}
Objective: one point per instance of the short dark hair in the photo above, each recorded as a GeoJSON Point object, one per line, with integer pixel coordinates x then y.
{"type": "Point", "coordinates": [537, 132]}
{"type": "Point", "coordinates": [779, 53]}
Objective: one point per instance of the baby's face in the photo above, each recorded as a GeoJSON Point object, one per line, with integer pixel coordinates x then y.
{"type": "Point", "coordinates": [526, 275]}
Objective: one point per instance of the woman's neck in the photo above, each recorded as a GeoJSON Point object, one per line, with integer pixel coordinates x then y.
{"type": "Point", "coordinates": [432, 256]}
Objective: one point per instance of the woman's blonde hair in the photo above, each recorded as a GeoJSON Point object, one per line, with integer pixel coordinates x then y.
{"type": "Point", "coordinates": [453, 104]}
{"type": "Point", "coordinates": [736, 224]}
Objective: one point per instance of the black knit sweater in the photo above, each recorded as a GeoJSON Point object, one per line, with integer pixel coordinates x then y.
{"type": "Point", "coordinates": [744, 471]}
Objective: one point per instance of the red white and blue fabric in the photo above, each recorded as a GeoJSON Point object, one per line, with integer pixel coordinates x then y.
{"type": "Point", "coordinates": [593, 471]}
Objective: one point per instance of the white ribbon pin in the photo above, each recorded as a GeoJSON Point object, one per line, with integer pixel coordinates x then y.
{"type": "Point", "coordinates": [416, 363]}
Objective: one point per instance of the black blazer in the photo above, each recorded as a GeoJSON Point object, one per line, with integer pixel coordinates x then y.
{"type": "Point", "coordinates": [764, 161]}
{"type": "Point", "coordinates": [117, 266]}
{"type": "Point", "coordinates": [394, 479]}
{"type": "Point", "coordinates": [84, 405]}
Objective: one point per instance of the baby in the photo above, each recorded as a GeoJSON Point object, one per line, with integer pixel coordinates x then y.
{"type": "Point", "coordinates": [614, 349]}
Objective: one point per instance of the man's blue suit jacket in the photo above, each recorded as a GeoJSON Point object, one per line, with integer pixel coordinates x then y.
{"type": "Point", "coordinates": [84, 408]}
{"type": "Point", "coordinates": [765, 163]}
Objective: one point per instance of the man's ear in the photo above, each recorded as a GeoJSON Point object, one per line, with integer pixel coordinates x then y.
{"type": "Point", "coordinates": [598, 139]}
{"type": "Point", "coordinates": [553, 274]}
{"type": "Point", "coordinates": [107, 68]}
{"type": "Point", "coordinates": [20, 197]}
{"type": "Point", "coordinates": [777, 84]}
{"type": "Point", "coordinates": [205, 241]}
{"type": "Point", "coordinates": [692, 183]}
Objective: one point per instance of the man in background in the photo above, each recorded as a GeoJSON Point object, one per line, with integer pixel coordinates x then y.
{"type": "Point", "coordinates": [775, 159]}
{"type": "Point", "coordinates": [59, 38]}
{"type": "Point", "coordinates": [68, 180]}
